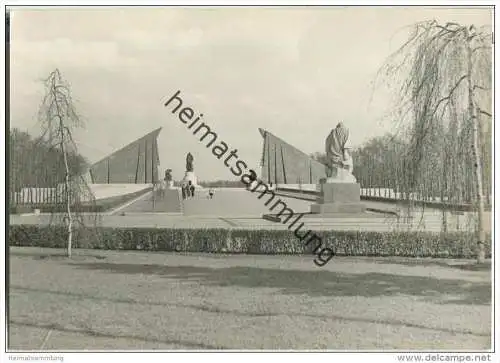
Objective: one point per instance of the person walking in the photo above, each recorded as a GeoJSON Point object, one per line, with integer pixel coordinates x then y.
{"type": "Point", "coordinates": [211, 193]}
{"type": "Point", "coordinates": [163, 188]}
{"type": "Point", "coordinates": [191, 188]}
{"type": "Point", "coordinates": [183, 188]}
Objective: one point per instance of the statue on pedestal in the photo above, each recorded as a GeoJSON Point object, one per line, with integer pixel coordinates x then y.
{"type": "Point", "coordinates": [338, 158]}
{"type": "Point", "coordinates": [189, 162]}
{"type": "Point", "coordinates": [339, 193]}
{"type": "Point", "coordinates": [190, 176]}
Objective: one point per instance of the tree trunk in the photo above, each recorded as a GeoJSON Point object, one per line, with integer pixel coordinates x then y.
{"type": "Point", "coordinates": [67, 192]}
{"type": "Point", "coordinates": [476, 150]}
{"type": "Point", "coordinates": [68, 196]}
{"type": "Point", "coordinates": [443, 188]}
{"type": "Point", "coordinates": [67, 186]}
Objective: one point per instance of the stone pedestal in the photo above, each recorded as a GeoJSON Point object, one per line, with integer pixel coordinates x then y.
{"type": "Point", "coordinates": [340, 175]}
{"type": "Point", "coordinates": [338, 197]}
{"type": "Point", "coordinates": [190, 176]}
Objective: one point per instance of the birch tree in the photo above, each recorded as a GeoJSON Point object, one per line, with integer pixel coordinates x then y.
{"type": "Point", "coordinates": [58, 119]}
{"type": "Point", "coordinates": [443, 79]}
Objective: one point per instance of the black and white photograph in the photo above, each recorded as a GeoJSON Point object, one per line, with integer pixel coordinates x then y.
{"type": "Point", "coordinates": [250, 178]}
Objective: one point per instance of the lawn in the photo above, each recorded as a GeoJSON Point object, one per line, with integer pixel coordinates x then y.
{"type": "Point", "coordinates": [138, 300]}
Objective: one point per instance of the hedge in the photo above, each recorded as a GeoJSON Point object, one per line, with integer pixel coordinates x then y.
{"type": "Point", "coordinates": [345, 243]}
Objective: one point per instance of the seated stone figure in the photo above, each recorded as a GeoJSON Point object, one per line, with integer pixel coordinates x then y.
{"type": "Point", "coordinates": [338, 158]}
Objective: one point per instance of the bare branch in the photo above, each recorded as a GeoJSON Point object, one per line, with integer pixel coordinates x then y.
{"type": "Point", "coordinates": [446, 29]}
{"type": "Point", "coordinates": [450, 93]}
{"type": "Point", "coordinates": [480, 87]}
{"type": "Point", "coordinates": [484, 112]}
{"type": "Point", "coordinates": [479, 48]}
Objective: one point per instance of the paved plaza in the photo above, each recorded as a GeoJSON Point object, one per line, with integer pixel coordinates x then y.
{"type": "Point", "coordinates": [242, 209]}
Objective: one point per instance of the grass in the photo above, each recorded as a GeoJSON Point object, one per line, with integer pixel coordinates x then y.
{"type": "Point", "coordinates": [139, 300]}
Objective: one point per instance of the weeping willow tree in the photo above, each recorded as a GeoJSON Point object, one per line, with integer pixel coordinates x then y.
{"type": "Point", "coordinates": [58, 119]}
{"type": "Point", "coordinates": [442, 75]}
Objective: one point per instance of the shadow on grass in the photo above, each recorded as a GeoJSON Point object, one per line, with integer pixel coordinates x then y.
{"type": "Point", "coordinates": [314, 283]}
{"type": "Point", "coordinates": [56, 255]}
{"type": "Point", "coordinates": [486, 266]}
{"type": "Point", "coordinates": [215, 309]}
{"type": "Point", "coordinates": [97, 334]}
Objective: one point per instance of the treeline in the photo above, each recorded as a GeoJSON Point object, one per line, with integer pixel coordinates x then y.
{"type": "Point", "coordinates": [35, 162]}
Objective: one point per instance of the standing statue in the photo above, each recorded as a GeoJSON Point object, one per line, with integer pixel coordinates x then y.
{"type": "Point", "coordinates": [338, 158]}
{"type": "Point", "coordinates": [189, 162]}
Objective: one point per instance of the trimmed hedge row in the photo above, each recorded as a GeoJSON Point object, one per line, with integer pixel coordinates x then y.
{"type": "Point", "coordinates": [346, 243]}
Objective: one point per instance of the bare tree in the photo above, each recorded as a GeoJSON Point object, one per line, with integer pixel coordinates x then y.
{"type": "Point", "coordinates": [58, 118]}
{"type": "Point", "coordinates": [443, 75]}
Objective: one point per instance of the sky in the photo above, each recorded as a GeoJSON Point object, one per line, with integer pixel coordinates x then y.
{"type": "Point", "coordinates": [295, 72]}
